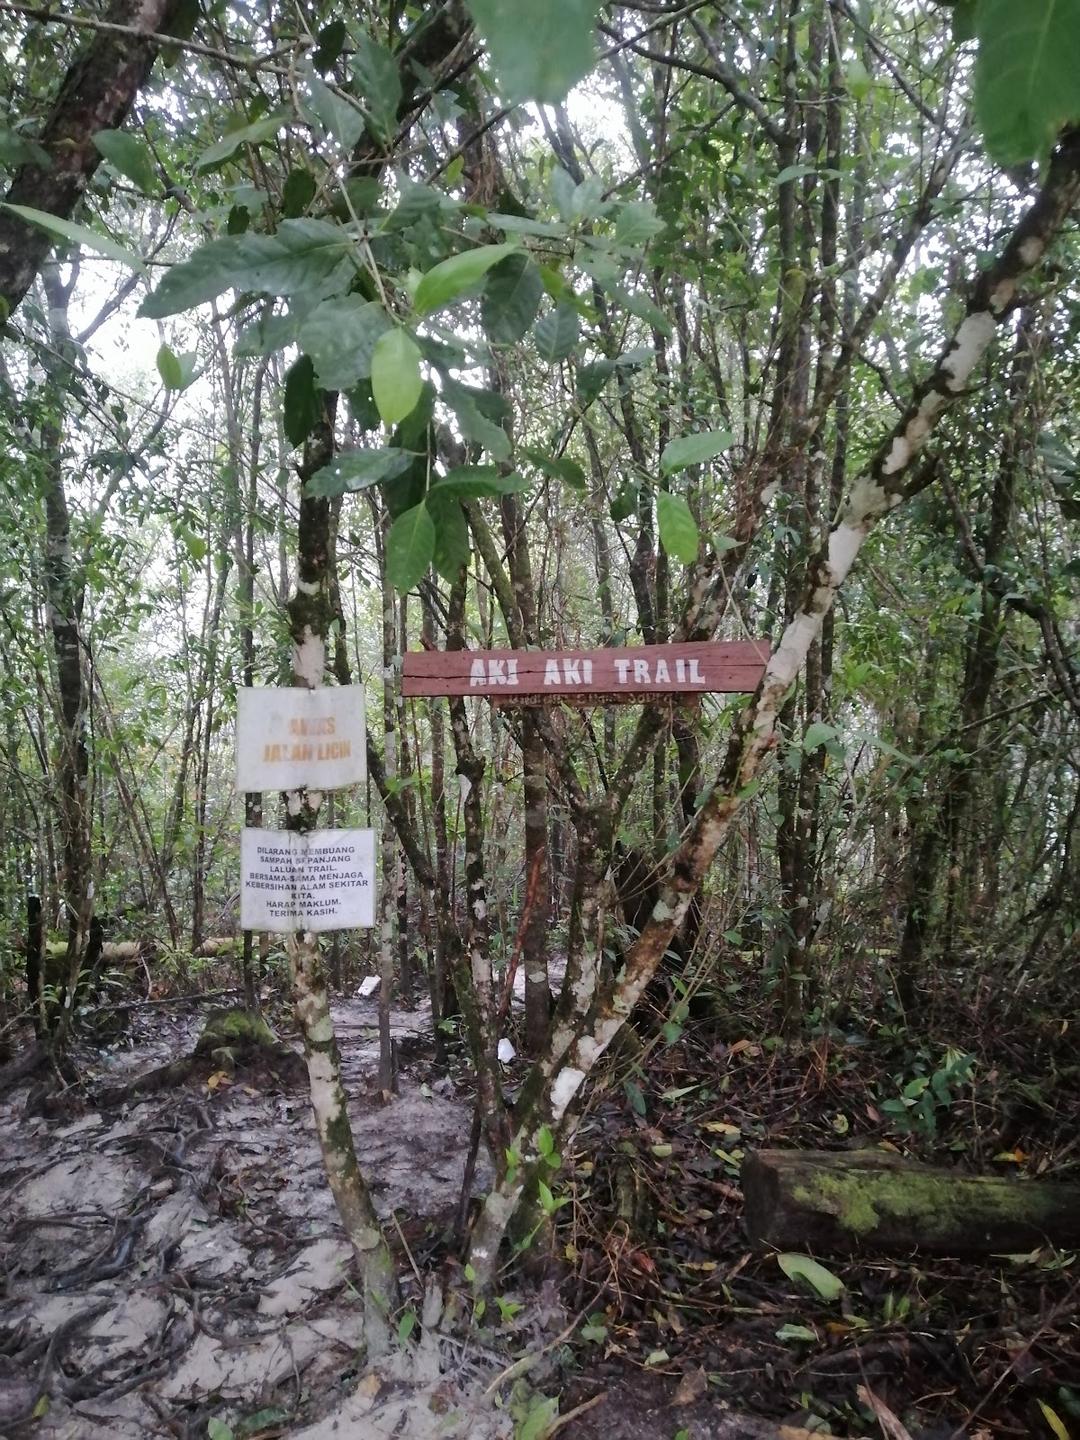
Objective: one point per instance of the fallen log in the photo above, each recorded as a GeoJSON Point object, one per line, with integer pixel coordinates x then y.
{"type": "Point", "coordinates": [217, 945]}
{"type": "Point", "coordinates": [877, 1200]}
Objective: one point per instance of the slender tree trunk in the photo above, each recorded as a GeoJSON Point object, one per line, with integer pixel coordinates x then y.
{"type": "Point", "coordinates": [64, 603]}
{"type": "Point", "coordinates": [310, 614]}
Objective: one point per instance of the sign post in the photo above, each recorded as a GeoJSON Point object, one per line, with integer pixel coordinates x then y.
{"type": "Point", "coordinates": [600, 677]}
{"type": "Point", "coordinates": [288, 738]}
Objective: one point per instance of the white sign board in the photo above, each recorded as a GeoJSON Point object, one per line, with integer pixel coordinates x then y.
{"type": "Point", "coordinates": [324, 880]}
{"type": "Point", "coordinates": [292, 736]}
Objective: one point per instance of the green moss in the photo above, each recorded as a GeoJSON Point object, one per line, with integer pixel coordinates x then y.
{"type": "Point", "coordinates": [945, 1206]}
{"type": "Point", "coordinates": [235, 1026]}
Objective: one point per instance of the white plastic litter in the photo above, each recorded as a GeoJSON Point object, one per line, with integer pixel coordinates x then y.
{"type": "Point", "coordinates": [506, 1051]}
{"type": "Point", "coordinates": [368, 986]}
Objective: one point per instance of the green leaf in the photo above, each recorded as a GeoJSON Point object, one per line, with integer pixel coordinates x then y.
{"type": "Point", "coordinates": [556, 333]}
{"type": "Point", "coordinates": [1054, 1420]}
{"type": "Point", "coordinates": [475, 425]}
{"type": "Point", "coordinates": [592, 378]}
{"type": "Point", "coordinates": [1027, 74]}
{"type": "Point", "coordinates": [303, 406]}
{"type": "Point", "coordinates": [541, 1415]}
{"type": "Point", "coordinates": [257, 133]}
{"type": "Point", "coordinates": [336, 115]}
{"type": "Point", "coordinates": [297, 193]}
{"type": "Point", "coordinates": [796, 1332]}
{"type": "Point", "coordinates": [357, 469]}
{"type": "Point", "coordinates": [376, 73]}
{"type": "Point", "coordinates": [451, 534]}
{"type": "Point", "coordinates": [526, 225]}
{"type": "Point", "coordinates": [475, 482]}
{"type": "Point", "coordinates": [802, 1267]}
{"type": "Point", "coordinates": [16, 149]}
{"type": "Point", "coordinates": [625, 502]}
{"type": "Point", "coordinates": [538, 51]}
{"type": "Point", "coordinates": [266, 335]}
{"type": "Point", "coordinates": [395, 375]}
{"type": "Point", "coordinates": [639, 304]}
{"type": "Point", "coordinates": [857, 79]}
{"type": "Point", "coordinates": [558, 468]}
{"type": "Point", "coordinates": [331, 40]}
{"type": "Point", "coordinates": [678, 528]}
{"type": "Point", "coordinates": [406, 1325]}
{"type": "Point", "coordinates": [512, 297]}
{"type": "Point", "coordinates": [340, 336]}
{"type": "Point", "coordinates": [410, 548]}
{"type": "Point", "coordinates": [637, 223]}
{"type": "Point", "coordinates": [128, 154]}
{"type": "Point", "coordinates": [305, 255]}
{"type": "Point", "coordinates": [218, 1430]}
{"type": "Point", "coordinates": [963, 21]}
{"type": "Point", "coordinates": [818, 733]}
{"type": "Point", "coordinates": [176, 371]}
{"type": "Point", "coordinates": [75, 234]}
{"type": "Point", "coordinates": [451, 278]}
{"type": "Point", "coordinates": [694, 449]}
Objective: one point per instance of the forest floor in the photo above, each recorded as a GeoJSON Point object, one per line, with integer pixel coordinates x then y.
{"type": "Point", "coordinates": [178, 1261]}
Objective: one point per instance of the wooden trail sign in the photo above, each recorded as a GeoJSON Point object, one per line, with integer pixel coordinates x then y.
{"type": "Point", "coordinates": [528, 677]}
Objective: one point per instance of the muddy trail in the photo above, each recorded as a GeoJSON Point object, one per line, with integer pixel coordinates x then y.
{"type": "Point", "coordinates": [180, 1259]}
{"type": "Point", "coordinates": [175, 1267]}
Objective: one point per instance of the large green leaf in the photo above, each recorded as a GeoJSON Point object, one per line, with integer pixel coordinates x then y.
{"type": "Point", "coordinates": [266, 335]}
{"type": "Point", "coordinates": [558, 468]}
{"type": "Point", "coordinates": [16, 149]}
{"type": "Point", "coordinates": [451, 534]}
{"type": "Point", "coordinates": [450, 278]}
{"type": "Point", "coordinates": [1027, 74]}
{"type": "Point", "coordinates": [337, 116]}
{"type": "Point", "coordinates": [176, 371]}
{"type": "Point", "coordinates": [340, 336]}
{"type": "Point", "coordinates": [410, 548]}
{"type": "Point", "coordinates": [75, 234]}
{"type": "Point", "coordinates": [678, 528]}
{"type": "Point", "coordinates": [475, 425]}
{"type": "Point", "coordinates": [802, 1267]}
{"type": "Point", "coordinates": [128, 154]}
{"type": "Point", "coordinates": [305, 255]}
{"type": "Point", "coordinates": [474, 482]}
{"type": "Point", "coordinates": [357, 469]}
{"type": "Point", "coordinates": [395, 375]}
{"type": "Point", "coordinates": [512, 297]}
{"type": "Point", "coordinates": [256, 133]}
{"type": "Point", "coordinates": [694, 449]}
{"type": "Point", "coordinates": [538, 48]}
{"type": "Point", "coordinates": [555, 334]}
{"type": "Point", "coordinates": [303, 407]}
{"type": "Point", "coordinates": [379, 85]}
{"type": "Point", "coordinates": [637, 222]}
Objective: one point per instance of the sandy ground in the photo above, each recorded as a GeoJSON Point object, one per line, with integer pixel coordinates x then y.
{"type": "Point", "coordinates": [181, 1260]}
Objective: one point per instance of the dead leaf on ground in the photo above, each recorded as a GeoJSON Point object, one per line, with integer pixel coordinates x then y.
{"type": "Point", "coordinates": [691, 1387]}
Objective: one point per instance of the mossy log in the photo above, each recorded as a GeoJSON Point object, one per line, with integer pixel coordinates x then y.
{"type": "Point", "coordinates": [875, 1200]}
{"type": "Point", "coordinates": [231, 1037]}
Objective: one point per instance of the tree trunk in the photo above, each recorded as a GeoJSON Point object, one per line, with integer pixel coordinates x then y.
{"type": "Point", "coordinates": [96, 94]}
{"type": "Point", "coordinates": [310, 613]}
